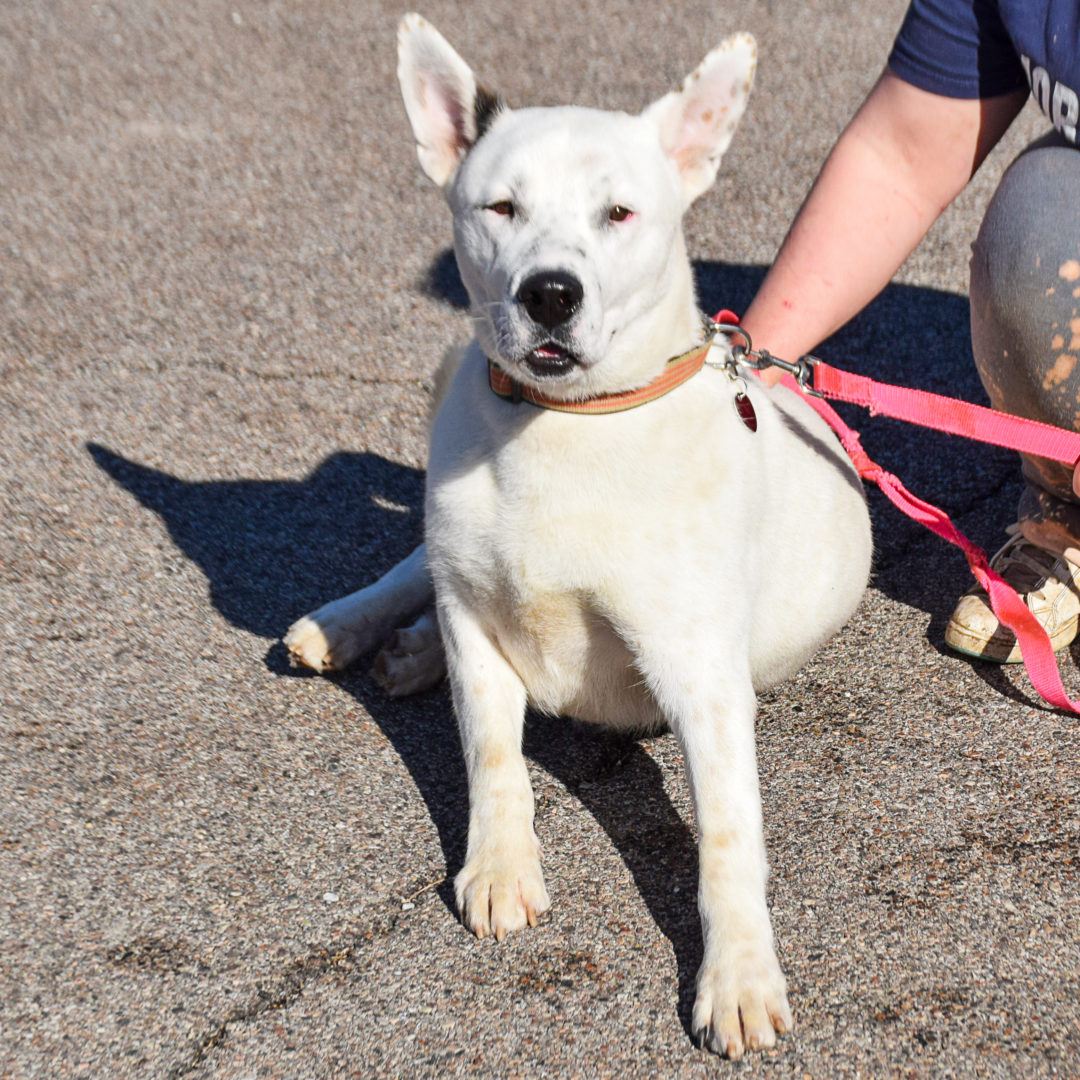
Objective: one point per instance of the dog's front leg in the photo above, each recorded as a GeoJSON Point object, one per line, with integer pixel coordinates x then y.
{"type": "Point", "coordinates": [741, 992]}
{"type": "Point", "coordinates": [741, 999]}
{"type": "Point", "coordinates": [501, 887]}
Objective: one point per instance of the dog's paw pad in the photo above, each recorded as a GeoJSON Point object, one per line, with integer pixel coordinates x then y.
{"type": "Point", "coordinates": [501, 897]}
{"type": "Point", "coordinates": [741, 1006]}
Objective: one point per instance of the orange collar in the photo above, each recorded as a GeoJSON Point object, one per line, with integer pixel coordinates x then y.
{"type": "Point", "coordinates": [676, 371]}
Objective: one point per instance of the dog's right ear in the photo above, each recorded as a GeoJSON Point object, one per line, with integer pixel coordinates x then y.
{"type": "Point", "coordinates": [447, 108]}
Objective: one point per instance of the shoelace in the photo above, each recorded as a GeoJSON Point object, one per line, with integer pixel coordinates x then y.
{"type": "Point", "coordinates": [1038, 567]}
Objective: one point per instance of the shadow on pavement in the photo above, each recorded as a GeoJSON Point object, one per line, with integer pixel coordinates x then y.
{"type": "Point", "coordinates": [616, 779]}
{"type": "Point", "coordinates": [361, 514]}
{"type": "Point", "coordinates": [272, 550]}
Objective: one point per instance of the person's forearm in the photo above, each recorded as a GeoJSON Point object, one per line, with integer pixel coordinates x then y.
{"type": "Point", "coordinates": [899, 163]}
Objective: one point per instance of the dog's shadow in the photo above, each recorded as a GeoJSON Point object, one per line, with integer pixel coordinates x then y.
{"type": "Point", "coordinates": [273, 550]}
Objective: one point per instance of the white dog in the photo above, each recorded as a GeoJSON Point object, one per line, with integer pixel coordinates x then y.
{"type": "Point", "coordinates": [640, 568]}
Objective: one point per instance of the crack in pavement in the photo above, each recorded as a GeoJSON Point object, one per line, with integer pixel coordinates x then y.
{"type": "Point", "coordinates": [303, 971]}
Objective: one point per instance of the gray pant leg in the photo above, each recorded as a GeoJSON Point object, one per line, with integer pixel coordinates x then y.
{"type": "Point", "coordinates": [1025, 311]}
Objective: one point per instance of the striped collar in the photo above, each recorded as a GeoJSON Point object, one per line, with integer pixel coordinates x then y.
{"type": "Point", "coordinates": [676, 371]}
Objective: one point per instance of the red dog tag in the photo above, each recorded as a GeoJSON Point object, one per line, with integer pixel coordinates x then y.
{"type": "Point", "coordinates": [745, 408]}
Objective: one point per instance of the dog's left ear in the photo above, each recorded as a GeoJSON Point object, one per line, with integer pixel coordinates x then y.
{"type": "Point", "coordinates": [697, 121]}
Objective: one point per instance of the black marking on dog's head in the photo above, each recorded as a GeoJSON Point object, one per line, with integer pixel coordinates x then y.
{"type": "Point", "coordinates": [486, 107]}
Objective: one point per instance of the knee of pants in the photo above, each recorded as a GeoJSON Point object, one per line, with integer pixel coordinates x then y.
{"type": "Point", "coordinates": [1025, 289]}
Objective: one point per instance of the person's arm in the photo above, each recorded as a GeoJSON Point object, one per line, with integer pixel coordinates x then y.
{"type": "Point", "coordinates": [900, 162]}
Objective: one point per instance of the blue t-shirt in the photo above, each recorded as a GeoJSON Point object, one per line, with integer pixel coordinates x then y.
{"type": "Point", "coordinates": [982, 48]}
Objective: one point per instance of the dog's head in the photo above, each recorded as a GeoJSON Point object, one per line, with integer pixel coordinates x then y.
{"type": "Point", "coordinates": [567, 221]}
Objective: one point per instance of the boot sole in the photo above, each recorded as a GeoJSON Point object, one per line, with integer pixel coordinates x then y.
{"type": "Point", "coordinates": [1001, 649]}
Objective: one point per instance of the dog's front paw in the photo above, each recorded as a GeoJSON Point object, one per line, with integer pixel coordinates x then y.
{"type": "Point", "coordinates": [497, 894]}
{"type": "Point", "coordinates": [741, 1003]}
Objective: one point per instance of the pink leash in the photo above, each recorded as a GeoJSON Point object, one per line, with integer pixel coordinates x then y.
{"type": "Point", "coordinates": [973, 422]}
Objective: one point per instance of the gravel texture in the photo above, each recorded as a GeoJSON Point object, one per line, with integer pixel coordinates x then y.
{"type": "Point", "coordinates": [224, 285]}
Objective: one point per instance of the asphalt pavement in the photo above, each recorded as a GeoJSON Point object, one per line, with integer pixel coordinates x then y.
{"type": "Point", "coordinates": [224, 287]}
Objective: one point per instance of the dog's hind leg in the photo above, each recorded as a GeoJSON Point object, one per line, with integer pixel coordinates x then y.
{"type": "Point", "coordinates": [413, 659]}
{"type": "Point", "coordinates": [334, 636]}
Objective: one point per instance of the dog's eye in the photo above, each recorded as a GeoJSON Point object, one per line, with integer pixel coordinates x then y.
{"type": "Point", "coordinates": [504, 208]}
{"type": "Point", "coordinates": [619, 213]}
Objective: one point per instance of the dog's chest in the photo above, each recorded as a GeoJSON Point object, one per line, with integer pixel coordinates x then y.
{"type": "Point", "coordinates": [532, 583]}
{"type": "Point", "coordinates": [545, 511]}
{"type": "Point", "coordinates": [538, 534]}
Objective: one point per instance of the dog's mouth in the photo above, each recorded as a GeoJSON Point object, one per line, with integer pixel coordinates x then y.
{"type": "Point", "coordinates": [550, 360]}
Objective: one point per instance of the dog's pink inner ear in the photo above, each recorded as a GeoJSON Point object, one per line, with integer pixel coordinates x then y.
{"type": "Point", "coordinates": [447, 136]}
{"type": "Point", "coordinates": [697, 122]}
{"type": "Point", "coordinates": [695, 133]}
{"type": "Point", "coordinates": [698, 135]}
{"type": "Point", "coordinates": [440, 94]}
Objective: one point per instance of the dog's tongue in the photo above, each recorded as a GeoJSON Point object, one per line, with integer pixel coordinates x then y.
{"type": "Point", "coordinates": [550, 359]}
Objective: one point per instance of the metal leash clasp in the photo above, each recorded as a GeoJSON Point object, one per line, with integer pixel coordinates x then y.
{"type": "Point", "coordinates": [729, 364]}
{"type": "Point", "coordinates": [802, 371]}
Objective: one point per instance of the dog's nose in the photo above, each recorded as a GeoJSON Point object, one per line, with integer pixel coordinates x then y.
{"type": "Point", "coordinates": [551, 297]}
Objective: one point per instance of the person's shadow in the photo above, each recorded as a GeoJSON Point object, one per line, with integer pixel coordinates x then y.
{"type": "Point", "coordinates": [273, 550]}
